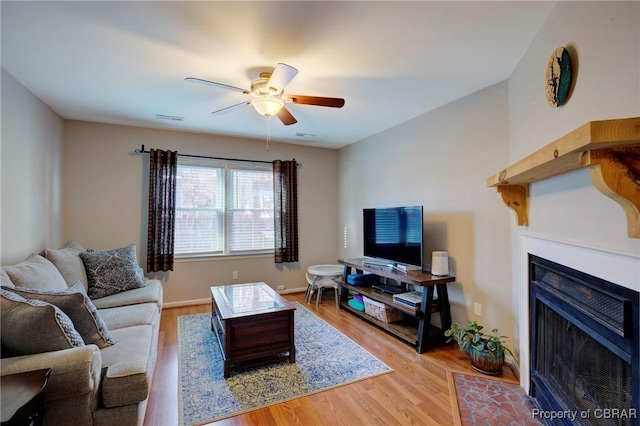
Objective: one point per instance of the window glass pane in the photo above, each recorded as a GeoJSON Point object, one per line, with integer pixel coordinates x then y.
{"type": "Point", "coordinates": [199, 225]}
{"type": "Point", "coordinates": [198, 231]}
{"type": "Point", "coordinates": [212, 221]}
{"type": "Point", "coordinates": [198, 187]}
{"type": "Point", "coordinates": [251, 210]}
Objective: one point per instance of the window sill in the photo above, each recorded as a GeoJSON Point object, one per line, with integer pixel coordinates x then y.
{"type": "Point", "coordinates": [221, 257]}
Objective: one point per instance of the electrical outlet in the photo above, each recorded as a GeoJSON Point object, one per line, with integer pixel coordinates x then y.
{"type": "Point", "coordinates": [280, 288]}
{"type": "Point", "coordinates": [477, 309]}
{"type": "Point", "coordinates": [235, 275]}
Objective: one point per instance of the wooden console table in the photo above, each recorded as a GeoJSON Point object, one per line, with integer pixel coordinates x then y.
{"type": "Point", "coordinates": [417, 329]}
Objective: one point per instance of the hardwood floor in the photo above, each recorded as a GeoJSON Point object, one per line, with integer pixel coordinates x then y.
{"type": "Point", "coordinates": [417, 392]}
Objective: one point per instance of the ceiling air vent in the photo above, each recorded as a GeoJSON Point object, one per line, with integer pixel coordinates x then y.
{"type": "Point", "coordinates": [305, 135]}
{"type": "Point", "coordinates": [169, 117]}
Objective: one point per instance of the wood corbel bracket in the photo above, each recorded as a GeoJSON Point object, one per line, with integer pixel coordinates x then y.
{"type": "Point", "coordinates": [516, 197]}
{"type": "Point", "coordinates": [616, 173]}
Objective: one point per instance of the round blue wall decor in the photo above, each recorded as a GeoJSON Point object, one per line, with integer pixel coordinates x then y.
{"type": "Point", "coordinates": [558, 78]}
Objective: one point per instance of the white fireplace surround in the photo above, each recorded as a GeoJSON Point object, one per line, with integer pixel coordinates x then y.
{"type": "Point", "coordinates": [618, 267]}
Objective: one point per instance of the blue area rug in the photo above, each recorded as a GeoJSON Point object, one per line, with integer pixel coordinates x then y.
{"type": "Point", "coordinates": [325, 358]}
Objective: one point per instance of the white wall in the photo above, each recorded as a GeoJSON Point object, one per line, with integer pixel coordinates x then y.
{"type": "Point", "coordinates": [31, 185]}
{"type": "Point", "coordinates": [441, 160]}
{"type": "Point", "coordinates": [105, 201]}
{"type": "Point", "coordinates": [604, 41]}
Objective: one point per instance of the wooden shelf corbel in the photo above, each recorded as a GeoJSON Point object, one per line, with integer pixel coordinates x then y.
{"type": "Point", "coordinates": [616, 173]}
{"type": "Point", "coordinates": [516, 198]}
{"type": "Point", "coordinates": [609, 148]}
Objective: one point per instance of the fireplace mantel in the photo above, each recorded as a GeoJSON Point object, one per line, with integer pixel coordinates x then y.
{"type": "Point", "coordinates": [609, 148]}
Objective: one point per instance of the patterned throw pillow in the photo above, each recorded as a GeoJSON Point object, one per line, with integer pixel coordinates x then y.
{"type": "Point", "coordinates": [112, 271]}
{"type": "Point", "coordinates": [76, 304]}
{"type": "Point", "coordinates": [33, 326]}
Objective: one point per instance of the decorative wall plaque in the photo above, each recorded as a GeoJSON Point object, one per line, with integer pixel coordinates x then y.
{"type": "Point", "coordinates": [558, 79]}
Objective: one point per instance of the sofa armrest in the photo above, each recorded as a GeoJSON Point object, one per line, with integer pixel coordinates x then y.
{"type": "Point", "coordinates": [74, 371]}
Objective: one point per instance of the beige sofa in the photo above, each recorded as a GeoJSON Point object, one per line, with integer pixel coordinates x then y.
{"type": "Point", "coordinates": [103, 383]}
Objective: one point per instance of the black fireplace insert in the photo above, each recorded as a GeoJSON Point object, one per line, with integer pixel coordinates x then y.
{"type": "Point", "coordinates": [585, 347]}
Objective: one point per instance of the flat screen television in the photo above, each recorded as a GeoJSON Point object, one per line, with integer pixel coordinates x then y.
{"type": "Point", "coordinates": [394, 235]}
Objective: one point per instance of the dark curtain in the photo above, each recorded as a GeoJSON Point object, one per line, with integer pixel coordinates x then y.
{"type": "Point", "coordinates": [163, 166]}
{"type": "Point", "coordinates": [285, 190]}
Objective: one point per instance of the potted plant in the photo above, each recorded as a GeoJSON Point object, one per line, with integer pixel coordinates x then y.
{"type": "Point", "coordinates": [486, 350]}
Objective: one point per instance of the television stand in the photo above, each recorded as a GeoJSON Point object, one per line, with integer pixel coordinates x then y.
{"type": "Point", "coordinates": [416, 328]}
{"type": "Point", "coordinates": [389, 289]}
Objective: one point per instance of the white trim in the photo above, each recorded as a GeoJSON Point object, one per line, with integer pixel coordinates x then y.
{"type": "Point", "coordinates": [183, 303]}
{"type": "Point", "coordinates": [515, 367]}
{"type": "Point", "coordinates": [209, 257]}
{"type": "Point", "coordinates": [617, 266]}
{"type": "Point", "coordinates": [293, 290]}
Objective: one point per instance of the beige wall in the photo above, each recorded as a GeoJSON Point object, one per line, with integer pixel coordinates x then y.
{"type": "Point", "coordinates": [441, 160]}
{"type": "Point", "coordinates": [31, 156]}
{"type": "Point", "coordinates": [604, 39]}
{"type": "Point", "coordinates": [105, 201]}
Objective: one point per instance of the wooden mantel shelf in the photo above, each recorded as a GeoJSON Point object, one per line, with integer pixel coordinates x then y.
{"type": "Point", "coordinates": [609, 148]}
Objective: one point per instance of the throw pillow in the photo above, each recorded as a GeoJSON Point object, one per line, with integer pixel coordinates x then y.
{"type": "Point", "coordinates": [112, 271]}
{"type": "Point", "coordinates": [67, 261]}
{"type": "Point", "coordinates": [5, 281]}
{"type": "Point", "coordinates": [76, 304]}
{"type": "Point", "coordinates": [36, 272]}
{"type": "Point", "coordinates": [33, 326]}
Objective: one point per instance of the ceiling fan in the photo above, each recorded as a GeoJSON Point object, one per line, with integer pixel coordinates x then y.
{"type": "Point", "coordinates": [268, 94]}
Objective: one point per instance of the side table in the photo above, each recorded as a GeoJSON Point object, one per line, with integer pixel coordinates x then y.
{"type": "Point", "coordinates": [317, 273]}
{"type": "Point", "coordinates": [22, 397]}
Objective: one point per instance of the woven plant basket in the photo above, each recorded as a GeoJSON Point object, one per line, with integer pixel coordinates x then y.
{"type": "Point", "coordinates": [486, 362]}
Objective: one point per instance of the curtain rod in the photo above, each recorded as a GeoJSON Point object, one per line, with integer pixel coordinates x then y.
{"type": "Point", "coordinates": [142, 151]}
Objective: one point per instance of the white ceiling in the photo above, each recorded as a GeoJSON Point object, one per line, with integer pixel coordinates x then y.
{"type": "Point", "coordinates": [125, 62]}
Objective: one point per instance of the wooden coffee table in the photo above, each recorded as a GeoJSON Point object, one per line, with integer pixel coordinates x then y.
{"type": "Point", "coordinates": [253, 324]}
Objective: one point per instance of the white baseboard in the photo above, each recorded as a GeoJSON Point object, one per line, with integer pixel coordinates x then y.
{"type": "Point", "coordinates": [186, 303]}
{"type": "Point", "coordinates": [513, 363]}
{"type": "Point", "coordinates": [293, 290]}
{"type": "Point", "coordinates": [195, 302]}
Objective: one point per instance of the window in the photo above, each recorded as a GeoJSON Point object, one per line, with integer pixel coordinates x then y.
{"type": "Point", "coordinates": [223, 208]}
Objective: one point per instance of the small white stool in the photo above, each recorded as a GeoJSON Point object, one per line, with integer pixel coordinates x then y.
{"type": "Point", "coordinates": [320, 277]}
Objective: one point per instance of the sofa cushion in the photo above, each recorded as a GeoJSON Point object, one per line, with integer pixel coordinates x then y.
{"type": "Point", "coordinates": [127, 316]}
{"type": "Point", "coordinates": [128, 365]}
{"type": "Point", "coordinates": [67, 261]}
{"type": "Point", "coordinates": [36, 272]}
{"type": "Point", "coordinates": [76, 304]}
{"type": "Point", "coordinates": [112, 271]}
{"type": "Point", "coordinates": [150, 293]}
{"type": "Point", "coordinates": [5, 281]}
{"type": "Point", "coordinates": [33, 326]}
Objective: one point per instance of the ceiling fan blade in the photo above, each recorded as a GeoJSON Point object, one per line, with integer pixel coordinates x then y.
{"type": "Point", "coordinates": [231, 108]}
{"type": "Point", "coordinates": [214, 84]}
{"type": "Point", "coordinates": [285, 116]}
{"type": "Point", "coordinates": [316, 100]}
{"type": "Point", "coordinates": [281, 76]}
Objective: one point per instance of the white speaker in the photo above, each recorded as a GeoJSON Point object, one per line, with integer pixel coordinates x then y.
{"type": "Point", "coordinates": [440, 263]}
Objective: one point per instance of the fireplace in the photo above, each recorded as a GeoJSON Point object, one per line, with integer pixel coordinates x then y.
{"type": "Point", "coordinates": [584, 347]}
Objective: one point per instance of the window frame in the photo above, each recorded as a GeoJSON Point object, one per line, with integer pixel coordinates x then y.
{"type": "Point", "coordinates": [226, 167]}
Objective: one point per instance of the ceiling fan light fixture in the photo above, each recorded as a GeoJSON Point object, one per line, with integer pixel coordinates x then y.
{"type": "Point", "coordinates": [267, 106]}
